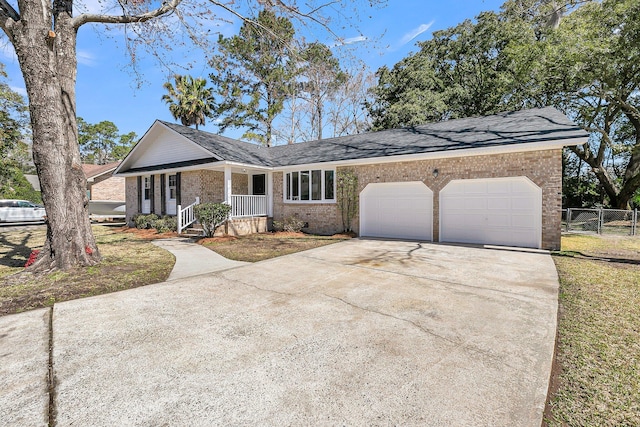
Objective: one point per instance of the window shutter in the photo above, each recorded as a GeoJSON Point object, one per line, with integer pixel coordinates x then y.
{"type": "Point", "coordinates": [139, 194]}
{"type": "Point", "coordinates": [163, 195]}
{"type": "Point", "coordinates": [179, 188]}
{"type": "Point", "coordinates": [152, 198]}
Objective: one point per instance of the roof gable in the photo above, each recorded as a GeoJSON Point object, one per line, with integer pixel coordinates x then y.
{"type": "Point", "coordinates": [161, 144]}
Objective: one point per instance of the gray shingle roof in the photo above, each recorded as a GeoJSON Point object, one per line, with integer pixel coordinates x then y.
{"type": "Point", "coordinates": [526, 126]}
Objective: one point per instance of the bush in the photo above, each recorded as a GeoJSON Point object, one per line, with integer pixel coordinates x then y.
{"type": "Point", "coordinates": [291, 224]}
{"type": "Point", "coordinates": [162, 225]}
{"type": "Point", "coordinates": [211, 216]}
{"type": "Point", "coordinates": [143, 221]}
{"type": "Point", "coordinates": [166, 224]}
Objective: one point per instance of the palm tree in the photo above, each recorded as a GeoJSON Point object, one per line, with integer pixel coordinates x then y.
{"type": "Point", "coordinates": [190, 101]}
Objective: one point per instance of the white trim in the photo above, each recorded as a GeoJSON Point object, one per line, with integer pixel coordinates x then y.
{"type": "Point", "coordinates": [465, 152]}
{"type": "Point", "coordinates": [228, 184]}
{"type": "Point", "coordinates": [269, 194]}
{"type": "Point", "coordinates": [158, 126]}
{"type": "Point", "coordinates": [539, 195]}
{"type": "Point", "coordinates": [322, 187]}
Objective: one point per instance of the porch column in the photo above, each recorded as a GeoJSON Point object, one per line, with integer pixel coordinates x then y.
{"type": "Point", "coordinates": [227, 184]}
{"type": "Point", "coordinates": [269, 193]}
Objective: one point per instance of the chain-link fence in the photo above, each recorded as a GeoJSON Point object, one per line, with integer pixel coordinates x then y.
{"type": "Point", "coordinates": [600, 221]}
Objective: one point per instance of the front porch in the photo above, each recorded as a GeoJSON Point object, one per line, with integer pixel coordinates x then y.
{"type": "Point", "coordinates": [248, 215]}
{"type": "Point", "coordinates": [175, 193]}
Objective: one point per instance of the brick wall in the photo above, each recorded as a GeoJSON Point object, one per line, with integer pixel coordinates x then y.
{"type": "Point", "coordinates": [544, 168]}
{"type": "Point", "coordinates": [131, 194]}
{"type": "Point", "coordinates": [108, 187]}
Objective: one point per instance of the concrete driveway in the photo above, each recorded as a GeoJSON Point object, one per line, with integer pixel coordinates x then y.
{"type": "Point", "coordinates": [363, 332]}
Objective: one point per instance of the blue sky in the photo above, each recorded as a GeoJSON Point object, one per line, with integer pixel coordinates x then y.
{"type": "Point", "coordinates": [107, 90]}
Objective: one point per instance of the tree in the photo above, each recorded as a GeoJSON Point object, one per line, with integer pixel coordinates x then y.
{"type": "Point", "coordinates": [43, 35]}
{"type": "Point", "coordinates": [190, 101]}
{"type": "Point", "coordinates": [13, 148]}
{"type": "Point", "coordinates": [591, 64]}
{"type": "Point", "coordinates": [102, 143]}
{"type": "Point", "coordinates": [462, 71]}
{"type": "Point", "coordinates": [253, 75]}
{"type": "Point", "coordinates": [583, 58]}
{"type": "Point", "coordinates": [321, 77]}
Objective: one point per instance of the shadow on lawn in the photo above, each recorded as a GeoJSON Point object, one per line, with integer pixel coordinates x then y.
{"type": "Point", "coordinates": [576, 254]}
{"type": "Point", "coordinates": [17, 253]}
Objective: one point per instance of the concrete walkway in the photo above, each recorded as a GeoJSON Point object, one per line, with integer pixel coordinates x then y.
{"type": "Point", "coordinates": [193, 259]}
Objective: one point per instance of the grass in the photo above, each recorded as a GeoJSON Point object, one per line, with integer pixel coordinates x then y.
{"type": "Point", "coordinates": [597, 379]}
{"type": "Point", "coordinates": [129, 261]}
{"type": "Point", "coordinates": [258, 247]}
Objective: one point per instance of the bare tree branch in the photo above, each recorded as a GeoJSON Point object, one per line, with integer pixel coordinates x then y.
{"type": "Point", "coordinates": [166, 8]}
{"type": "Point", "coordinates": [8, 11]}
{"type": "Point", "coordinates": [8, 16]}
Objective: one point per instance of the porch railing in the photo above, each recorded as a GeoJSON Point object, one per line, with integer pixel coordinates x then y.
{"type": "Point", "coordinates": [186, 216]}
{"type": "Point", "coordinates": [242, 206]}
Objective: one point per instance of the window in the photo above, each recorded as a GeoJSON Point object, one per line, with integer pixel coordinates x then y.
{"type": "Point", "coordinates": [172, 186]}
{"type": "Point", "coordinates": [315, 185]}
{"type": "Point", "coordinates": [328, 185]}
{"type": "Point", "coordinates": [147, 188]}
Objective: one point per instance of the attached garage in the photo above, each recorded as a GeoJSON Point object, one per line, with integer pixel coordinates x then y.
{"type": "Point", "coordinates": [400, 210]}
{"type": "Point", "coordinates": [493, 211]}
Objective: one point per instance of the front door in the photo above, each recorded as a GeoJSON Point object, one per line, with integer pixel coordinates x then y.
{"type": "Point", "coordinates": [172, 182]}
{"type": "Point", "coordinates": [146, 195]}
{"type": "Point", "coordinates": [259, 185]}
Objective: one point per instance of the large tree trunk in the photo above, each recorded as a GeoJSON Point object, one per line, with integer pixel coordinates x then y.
{"type": "Point", "coordinates": [48, 62]}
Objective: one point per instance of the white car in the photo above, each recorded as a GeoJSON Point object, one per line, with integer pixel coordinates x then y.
{"type": "Point", "coordinates": [21, 211]}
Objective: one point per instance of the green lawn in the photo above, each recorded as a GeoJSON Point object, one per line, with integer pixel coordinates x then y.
{"type": "Point", "coordinates": [598, 354]}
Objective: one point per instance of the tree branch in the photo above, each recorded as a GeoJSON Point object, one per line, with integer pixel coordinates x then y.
{"type": "Point", "coordinates": [85, 18]}
{"type": "Point", "coordinates": [8, 17]}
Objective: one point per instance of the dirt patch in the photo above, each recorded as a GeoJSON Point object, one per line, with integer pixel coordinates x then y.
{"type": "Point", "coordinates": [147, 234]}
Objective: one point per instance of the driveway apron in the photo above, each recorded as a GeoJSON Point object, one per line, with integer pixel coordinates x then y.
{"type": "Point", "coordinates": [362, 332]}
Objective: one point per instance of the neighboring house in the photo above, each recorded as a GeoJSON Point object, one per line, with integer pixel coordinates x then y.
{"type": "Point", "coordinates": [101, 184]}
{"type": "Point", "coordinates": [488, 180]}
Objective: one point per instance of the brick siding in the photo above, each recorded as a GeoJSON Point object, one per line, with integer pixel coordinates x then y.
{"type": "Point", "coordinates": [544, 168]}
{"type": "Point", "coordinates": [107, 187]}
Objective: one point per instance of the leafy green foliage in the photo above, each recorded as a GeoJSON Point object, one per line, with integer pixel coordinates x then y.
{"type": "Point", "coordinates": [14, 185]}
{"type": "Point", "coordinates": [252, 75]}
{"type": "Point", "coordinates": [102, 142]}
{"type": "Point", "coordinates": [189, 100]}
{"type": "Point", "coordinates": [145, 221]}
{"type": "Point", "coordinates": [211, 216]}
{"type": "Point", "coordinates": [15, 156]}
{"type": "Point", "coordinates": [347, 196]}
{"type": "Point", "coordinates": [583, 58]}
{"type": "Point", "coordinates": [161, 224]}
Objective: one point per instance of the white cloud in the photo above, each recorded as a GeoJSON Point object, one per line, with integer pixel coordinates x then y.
{"type": "Point", "coordinates": [22, 91]}
{"type": "Point", "coordinates": [86, 58]}
{"type": "Point", "coordinates": [415, 33]}
{"type": "Point", "coordinates": [352, 40]}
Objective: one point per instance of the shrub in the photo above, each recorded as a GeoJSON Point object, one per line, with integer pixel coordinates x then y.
{"type": "Point", "coordinates": [211, 216]}
{"type": "Point", "coordinates": [143, 221]}
{"type": "Point", "coordinates": [291, 224]}
{"type": "Point", "coordinates": [166, 224]}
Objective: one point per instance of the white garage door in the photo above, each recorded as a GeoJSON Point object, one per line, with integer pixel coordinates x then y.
{"type": "Point", "coordinates": [401, 210]}
{"type": "Point", "coordinates": [495, 211]}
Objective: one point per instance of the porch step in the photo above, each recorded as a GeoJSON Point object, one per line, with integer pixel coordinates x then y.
{"type": "Point", "coordinates": [193, 232]}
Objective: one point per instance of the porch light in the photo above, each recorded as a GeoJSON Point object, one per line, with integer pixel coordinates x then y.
{"type": "Point", "coordinates": [435, 173]}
